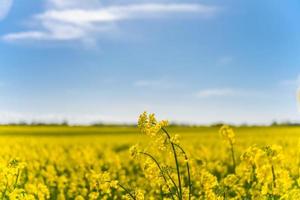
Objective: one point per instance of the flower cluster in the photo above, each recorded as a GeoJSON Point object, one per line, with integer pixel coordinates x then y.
{"type": "Point", "coordinates": [149, 125]}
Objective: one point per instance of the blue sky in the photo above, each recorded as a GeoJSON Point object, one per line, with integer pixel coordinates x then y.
{"type": "Point", "coordinates": [188, 61]}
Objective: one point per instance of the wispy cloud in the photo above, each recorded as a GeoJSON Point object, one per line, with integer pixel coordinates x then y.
{"type": "Point", "coordinates": [67, 20]}
{"type": "Point", "coordinates": [216, 92]}
{"type": "Point", "coordinates": [231, 92]}
{"type": "Point", "coordinates": [155, 84]}
{"type": "Point", "coordinates": [63, 4]}
{"type": "Point", "coordinates": [5, 6]}
{"type": "Point", "coordinates": [291, 82]}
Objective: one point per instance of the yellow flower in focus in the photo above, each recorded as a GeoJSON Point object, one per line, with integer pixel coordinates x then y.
{"type": "Point", "coordinates": [149, 125]}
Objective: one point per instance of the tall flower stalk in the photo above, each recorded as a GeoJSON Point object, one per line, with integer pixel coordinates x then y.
{"type": "Point", "coordinates": [228, 135]}
{"type": "Point", "coordinates": [149, 126]}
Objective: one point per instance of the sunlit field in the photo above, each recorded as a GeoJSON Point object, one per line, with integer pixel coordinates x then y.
{"type": "Point", "coordinates": [115, 162]}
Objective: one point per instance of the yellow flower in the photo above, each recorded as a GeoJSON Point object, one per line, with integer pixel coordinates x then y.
{"type": "Point", "coordinates": [134, 151]}
{"type": "Point", "coordinates": [79, 197]}
{"type": "Point", "coordinates": [93, 195]}
{"type": "Point", "coordinates": [139, 194]}
{"type": "Point", "coordinates": [227, 133]}
{"type": "Point", "coordinates": [175, 139]}
{"type": "Point", "coordinates": [230, 180]}
{"type": "Point", "coordinates": [149, 125]}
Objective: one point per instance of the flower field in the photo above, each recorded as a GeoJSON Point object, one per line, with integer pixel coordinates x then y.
{"type": "Point", "coordinates": [151, 161]}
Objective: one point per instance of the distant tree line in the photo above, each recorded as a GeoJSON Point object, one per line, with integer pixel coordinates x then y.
{"type": "Point", "coordinates": [172, 124]}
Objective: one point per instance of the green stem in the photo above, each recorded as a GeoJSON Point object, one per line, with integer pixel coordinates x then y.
{"type": "Point", "coordinates": [6, 185]}
{"type": "Point", "coordinates": [161, 171]}
{"type": "Point", "coordinates": [273, 176]}
{"type": "Point", "coordinates": [188, 169]}
{"type": "Point", "coordinates": [233, 157]}
{"type": "Point", "coordinates": [176, 162]}
{"type": "Point", "coordinates": [17, 178]}
{"type": "Point", "coordinates": [172, 180]}
{"type": "Point", "coordinates": [127, 191]}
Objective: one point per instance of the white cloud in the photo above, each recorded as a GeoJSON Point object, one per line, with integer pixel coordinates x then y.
{"type": "Point", "coordinates": [291, 82]}
{"type": "Point", "coordinates": [155, 84]}
{"type": "Point", "coordinates": [63, 4]}
{"type": "Point", "coordinates": [119, 13]}
{"type": "Point", "coordinates": [232, 92]}
{"type": "Point", "coordinates": [5, 6]}
{"type": "Point", "coordinates": [216, 92]}
{"type": "Point", "coordinates": [71, 20]}
{"type": "Point", "coordinates": [22, 35]}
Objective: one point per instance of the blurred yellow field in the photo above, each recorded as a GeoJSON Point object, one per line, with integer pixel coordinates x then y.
{"type": "Point", "coordinates": [100, 163]}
